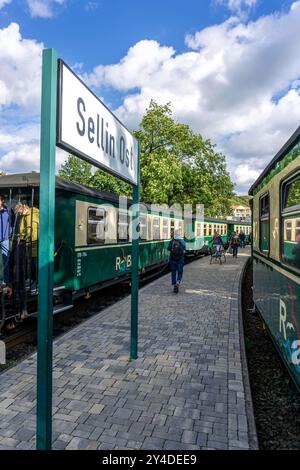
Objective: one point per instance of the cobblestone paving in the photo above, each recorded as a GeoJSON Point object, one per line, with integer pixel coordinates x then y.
{"type": "Point", "coordinates": [185, 391]}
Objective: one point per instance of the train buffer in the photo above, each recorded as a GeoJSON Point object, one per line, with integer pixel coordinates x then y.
{"type": "Point", "coordinates": [188, 389]}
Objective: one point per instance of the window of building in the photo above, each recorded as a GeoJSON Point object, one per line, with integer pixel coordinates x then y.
{"type": "Point", "coordinates": [264, 212]}
{"type": "Point", "coordinates": [156, 228]}
{"type": "Point", "coordinates": [96, 226]}
{"type": "Point", "coordinates": [290, 221]}
{"type": "Point", "coordinates": [123, 223]}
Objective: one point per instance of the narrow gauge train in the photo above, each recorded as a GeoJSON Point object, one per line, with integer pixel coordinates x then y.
{"type": "Point", "coordinates": [92, 244]}
{"type": "Point", "coordinates": [276, 251]}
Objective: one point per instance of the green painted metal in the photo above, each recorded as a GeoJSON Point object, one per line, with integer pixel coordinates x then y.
{"type": "Point", "coordinates": [46, 250]}
{"type": "Point", "coordinates": [135, 268]}
{"type": "Point", "coordinates": [277, 298]}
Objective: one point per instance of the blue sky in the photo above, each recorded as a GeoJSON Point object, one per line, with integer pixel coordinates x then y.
{"type": "Point", "coordinates": [234, 77]}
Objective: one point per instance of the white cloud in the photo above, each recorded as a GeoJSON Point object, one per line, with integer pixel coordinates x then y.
{"type": "Point", "coordinates": [20, 70]}
{"type": "Point", "coordinates": [142, 61]}
{"type": "Point", "coordinates": [237, 6]}
{"type": "Point", "coordinates": [20, 146]}
{"type": "Point", "coordinates": [91, 6]}
{"type": "Point", "coordinates": [3, 3]}
{"type": "Point", "coordinates": [238, 84]}
{"type": "Point", "coordinates": [43, 8]}
{"type": "Point", "coordinates": [20, 87]}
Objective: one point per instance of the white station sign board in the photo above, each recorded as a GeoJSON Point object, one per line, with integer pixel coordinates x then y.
{"type": "Point", "coordinates": [86, 128]}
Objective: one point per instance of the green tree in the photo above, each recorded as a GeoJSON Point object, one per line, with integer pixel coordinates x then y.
{"type": "Point", "coordinates": [79, 171]}
{"type": "Point", "coordinates": [76, 170]}
{"type": "Point", "coordinates": [179, 166]}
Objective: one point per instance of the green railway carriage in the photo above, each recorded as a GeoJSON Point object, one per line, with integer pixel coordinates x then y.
{"type": "Point", "coordinates": [93, 241]}
{"type": "Point", "coordinates": [276, 251]}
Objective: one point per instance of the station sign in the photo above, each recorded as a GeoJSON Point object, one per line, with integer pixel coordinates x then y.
{"type": "Point", "coordinates": [88, 129]}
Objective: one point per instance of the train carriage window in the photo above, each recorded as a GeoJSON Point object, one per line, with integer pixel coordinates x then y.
{"type": "Point", "coordinates": [165, 228]}
{"type": "Point", "coordinates": [205, 229]}
{"type": "Point", "coordinates": [210, 230]}
{"type": "Point", "coordinates": [288, 226]}
{"type": "Point", "coordinates": [156, 228]}
{"type": "Point", "coordinates": [222, 229]}
{"type": "Point", "coordinates": [297, 228]}
{"type": "Point", "coordinates": [180, 228]}
{"type": "Point", "coordinates": [292, 194]}
{"type": "Point", "coordinates": [149, 219]}
{"type": "Point", "coordinates": [290, 216]}
{"type": "Point", "coordinates": [96, 226]}
{"type": "Point", "coordinates": [172, 229]}
{"type": "Point", "coordinates": [123, 223]}
{"type": "Point", "coordinates": [198, 230]}
{"type": "Point", "coordinates": [143, 227]}
{"type": "Point", "coordinates": [264, 241]}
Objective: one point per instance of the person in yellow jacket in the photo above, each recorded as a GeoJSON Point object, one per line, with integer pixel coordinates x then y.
{"type": "Point", "coordinates": [29, 231]}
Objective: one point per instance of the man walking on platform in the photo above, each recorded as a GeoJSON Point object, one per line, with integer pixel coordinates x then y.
{"type": "Point", "coordinates": [176, 247]}
{"type": "Point", "coordinates": [235, 244]}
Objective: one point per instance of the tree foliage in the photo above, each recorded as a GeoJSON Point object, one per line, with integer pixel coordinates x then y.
{"type": "Point", "coordinates": [177, 166]}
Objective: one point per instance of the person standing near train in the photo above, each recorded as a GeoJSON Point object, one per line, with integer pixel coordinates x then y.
{"type": "Point", "coordinates": [242, 239]}
{"type": "Point", "coordinates": [29, 232]}
{"type": "Point", "coordinates": [235, 244]}
{"type": "Point", "coordinates": [176, 247]}
{"type": "Point", "coordinates": [5, 231]}
{"type": "Point", "coordinates": [217, 242]}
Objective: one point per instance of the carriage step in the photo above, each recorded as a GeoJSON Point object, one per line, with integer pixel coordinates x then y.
{"type": "Point", "coordinates": [61, 308]}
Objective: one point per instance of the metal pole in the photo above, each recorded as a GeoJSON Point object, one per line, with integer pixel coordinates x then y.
{"type": "Point", "coordinates": [46, 250]}
{"type": "Point", "coordinates": [135, 267]}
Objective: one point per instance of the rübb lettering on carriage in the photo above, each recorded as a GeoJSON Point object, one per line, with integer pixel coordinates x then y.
{"type": "Point", "coordinates": [86, 128]}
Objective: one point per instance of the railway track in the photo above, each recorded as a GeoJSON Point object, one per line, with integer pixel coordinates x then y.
{"type": "Point", "coordinates": [14, 339]}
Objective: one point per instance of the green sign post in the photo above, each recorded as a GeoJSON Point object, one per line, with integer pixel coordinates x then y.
{"type": "Point", "coordinates": [63, 124]}
{"type": "Point", "coordinates": [46, 250]}
{"type": "Point", "coordinates": [135, 270]}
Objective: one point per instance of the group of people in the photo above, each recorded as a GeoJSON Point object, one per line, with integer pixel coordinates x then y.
{"type": "Point", "coordinates": [177, 247]}
{"type": "Point", "coordinates": [234, 241]}
{"type": "Point", "coordinates": [18, 238]}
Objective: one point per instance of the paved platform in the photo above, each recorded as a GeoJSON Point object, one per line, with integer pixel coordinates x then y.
{"type": "Point", "coordinates": [185, 391]}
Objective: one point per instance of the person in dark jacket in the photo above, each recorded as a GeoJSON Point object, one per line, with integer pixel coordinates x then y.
{"type": "Point", "coordinates": [176, 247]}
{"type": "Point", "coordinates": [235, 244]}
{"type": "Point", "coordinates": [242, 239]}
{"type": "Point", "coordinates": [5, 230]}
{"type": "Point", "coordinates": [217, 242]}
